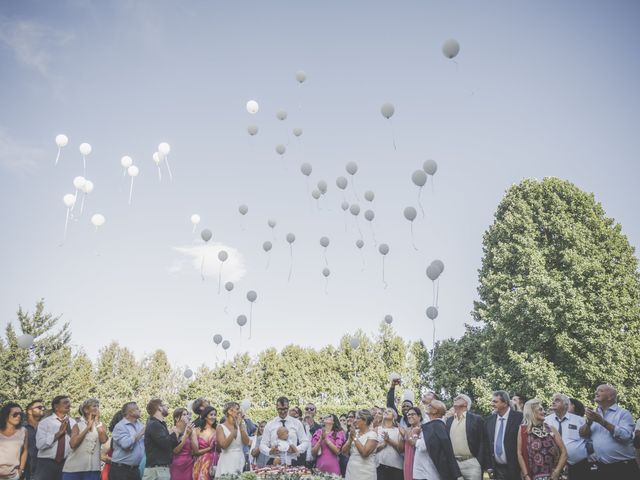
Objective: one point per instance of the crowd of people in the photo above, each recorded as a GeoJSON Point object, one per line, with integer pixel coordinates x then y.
{"type": "Point", "coordinates": [520, 440]}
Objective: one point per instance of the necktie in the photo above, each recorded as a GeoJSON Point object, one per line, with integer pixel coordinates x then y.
{"type": "Point", "coordinates": [560, 425]}
{"type": "Point", "coordinates": [60, 448]}
{"type": "Point", "coordinates": [283, 422]}
{"type": "Point", "coordinates": [500, 439]}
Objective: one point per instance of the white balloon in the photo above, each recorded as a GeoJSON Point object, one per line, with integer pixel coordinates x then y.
{"type": "Point", "coordinates": [126, 161]}
{"type": "Point", "coordinates": [354, 342]}
{"type": "Point", "coordinates": [297, 131]}
{"type": "Point", "coordinates": [188, 373]}
{"type": "Point", "coordinates": [408, 395]}
{"type": "Point", "coordinates": [245, 405]}
{"type": "Point", "coordinates": [359, 243]}
{"type": "Point", "coordinates": [432, 272]}
{"type": "Point", "coordinates": [85, 149]}
{"type": "Point", "coordinates": [326, 272]}
{"type": "Point", "coordinates": [266, 246]}
{"type": "Point", "coordinates": [432, 313]}
{"type": "Point", "coordinates": [133, 171]}
{"type": "Point", "coordinates": [241, 320]}
{"type": "Point", "coordinates": [351, 168]}
{"type": "Point", "coordinates": [369, 215]}
{"type": "Point", "coordinates": [388, 319]}
{"type": "Point", "coordinates": [281, 115]}
{"type": "Point", "coordinates": [243, 209]}
{"type": "Point", "coordinates": [164, 148]}
{"type": "Point", "coordinates": [306, 169]}
{"type": "Point", "coordinates": [450, 48]}
{"type": "Point", "coordinates": [324, 241]}
{"type": "Point", "coordinates": [195, 219]}
{"type": "Point", "coordinates": [341, 183]}
{"type": "Point", "coordinates": [217, 339]}
{"type": "Point", "coordinates": [393, 375]}
{"type": "Point", "coordinates": [69, 200]}
{"type": "Point", "coordinates": [157, 158]}
{"type": "Point", "coordinates": [316, 194]}
{"type": "Point", "coordinates": [383, 248]}
{"type": "Point", "coordinates": [252, 296]}
{"type": "Point", "coordinates": [387, 110]}
{"type": "Point", "coordinates": [419, 178]}
{"type": "Point", "coordinates": [369, 196]}
{"type": "Point", "coordinates": [430, 167]}
{"type": "Point", "coordinates": [223, 255]}
{"type": "Point", "coordinates": [252, 129]}
{"type": "Point", "coordinates": [291, 237]}
{"type": "Point", "coordinates": [280, 149]}
{"type": "Point", "coordinates": [78, 182]}
{"type": "Point", "coordinates": [25, 341]}
{"type": "Point", "coordinates": [322, 186]}
{"type": "Point", "coordinates": [62, 140]}
{"type": "Point", "coordinates": [439, 265]}
{"type": "Point", "coordinates": [301, 76]}
{"type": "Point", "coordinates": [272, 223]}
{"type": "Point", "coordinates": [344, 205]}
{"type": "Point", "coordinates": [226, 344]}
{"type": "Point", "coordinates": [97, 220]}
{"type": "Point", "coordinates": [354, 209]}
{"type": "Point", "coordinates": [410, 213]}
{"type": "Point", "coordinates": [228, 286]}
{"type": "Point", "coordinates": [252, 107]}
{"type": "Point", "coordinates": [87, 187]}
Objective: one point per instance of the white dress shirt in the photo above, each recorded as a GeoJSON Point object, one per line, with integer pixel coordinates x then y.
{"type": "Point", "coordinates": [423, 466]}
{"type": "Point", "coordinates": [45, 437]}
{"type": "Point", "coordinates": [503, 458]}
{"type": "Point", "coordinates": [571, 423]}
{"type": "Point", "coordinates": [297, 435]}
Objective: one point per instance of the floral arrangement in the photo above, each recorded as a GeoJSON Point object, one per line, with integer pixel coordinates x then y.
{"type": "Point", "coordinates": [281, 473]}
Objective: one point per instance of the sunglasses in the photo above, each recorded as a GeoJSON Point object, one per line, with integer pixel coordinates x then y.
{"type": "Point", "coordinates": [309, 409]}
{"type": "Point", "coordinates": [16, 414]}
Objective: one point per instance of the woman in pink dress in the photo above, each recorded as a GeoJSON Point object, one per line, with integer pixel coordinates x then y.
{"type": "Point", "coordinates": [414, 418]}
{"type": "Point", "coordinates": [326, 444]}
{"type": "Point", "coordinates": [182, 464]}
{"type": "Point", "coordinates": [203, 446]}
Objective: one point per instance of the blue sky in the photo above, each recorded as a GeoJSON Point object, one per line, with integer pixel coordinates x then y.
{"type": "Point", "coordinates": [539, 89]}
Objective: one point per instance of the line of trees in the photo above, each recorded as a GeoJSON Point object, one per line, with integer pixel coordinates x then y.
{"type": "Point", "coordinates": [558, 310]}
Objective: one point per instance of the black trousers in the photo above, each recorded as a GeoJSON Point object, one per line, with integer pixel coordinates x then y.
{"type": "Point", "coordinates": [502, 473]}
{"type": "Point", "coordinates": [609, 471]}
{"type": "Point", "coordinates": [48, 469]}
{"type": "Point", "coordinates": [580, 471]}
{"type": "Point", "coordinates": [385, 472]}
{"type": "Point", "coordinates": [122, 472]}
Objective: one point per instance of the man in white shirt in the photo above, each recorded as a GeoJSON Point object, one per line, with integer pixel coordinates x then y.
{"type": "Point", "coordinates": [568, 425]}
{"type": "Point", "coordinates": [297, 436]}
{"type": "Point", "coordinates": [502, 429]}
{"type": "Point", "coordinates": [52, 440]}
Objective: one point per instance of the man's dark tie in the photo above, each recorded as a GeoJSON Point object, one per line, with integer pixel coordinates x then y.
{"type": "Point", "coordinates": [60, 447]}
{"type": "Point", "coordinates": [283, 422]}
{"type": "Point", "coordinates": [560, 425]}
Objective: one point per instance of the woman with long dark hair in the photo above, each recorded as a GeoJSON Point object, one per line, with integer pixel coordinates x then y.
{"type": "Point", "coordinates": [203, 445]}
{"type": "Point", "coordinates": [182, 464]}
{"type": "Point", "coordinates": [326, 444]}
{"type": "Point", "coordinates": [13, 442]}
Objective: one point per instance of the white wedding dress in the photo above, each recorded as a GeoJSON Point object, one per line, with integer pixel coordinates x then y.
{"type": "Point", "coordinates": [231, 459]}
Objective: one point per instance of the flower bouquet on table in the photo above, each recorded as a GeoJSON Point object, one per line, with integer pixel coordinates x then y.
{"type": "Point", "coordinates": [281, 472]}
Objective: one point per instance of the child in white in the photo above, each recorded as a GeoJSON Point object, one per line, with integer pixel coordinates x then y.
{"type": "Point", "coordinates": [284, 457]}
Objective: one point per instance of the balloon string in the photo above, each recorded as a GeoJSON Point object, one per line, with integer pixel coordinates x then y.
{"type": "Point", "coordinates": [326, 286]}
{"type": "Point", "coordinates": [326, 262]}
{"type": "Point", "coordinates": [437, 292]}
{"type": "Point", "coordinates": [84, 165]}
{"type": "Point", "coordinates": [166, 160]}
{"type": "Point", "coordinates": [373, 233]}
{"type": "Point", "coordinates": [75, 199]}
{"type": "Point", "coordinates": [393, 135]}
{"type": "Point", "coordinates": [433, 283]}
{"type": "Point", "coordinates": [66, 222]}
{"type": "Point", "coordinates": [250, 319]}
{"type": "Point", "coordinates": [412, 239]}
{"type": "Point", "coordinates": [362, 257]}
{"type": "Point", "coordinates": [359, 231]}
{"type": "Point", "coordinates": [353, 186]}
{"type": "Point", "coordinates": [420, 201]}
{"type": "Point", "coordinates": [268, 260]}
{"type": "Point", "coordinates": [194, 228]}
{"type": "Point", "coordinates": [58, 156]}
{"type": "Point", "coordinates": [82, 204]}
{"type": "Point", "coordinates": [202, 268]}
{"type": "Point", "coordinates": [291, 264]}
{"type": "Point", "coordinates": [131, 191]}
{"type": "Point", "coordinates": [159, 173]}
{"type": "Point", "coordinates": [383, 280]}
{"type": "Point", "coordinates": [124, 172]}
{"type": "Point", "coordinates": [434, 335]}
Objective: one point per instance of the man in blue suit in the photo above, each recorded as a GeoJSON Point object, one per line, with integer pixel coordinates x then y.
{"type": "Point", "coordinates": [501, 429]}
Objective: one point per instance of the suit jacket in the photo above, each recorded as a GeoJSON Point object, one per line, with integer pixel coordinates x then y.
{"type": "Point", "coordinates": [474, 427]}
{"type": "Point", "coordinates": [510, 442]}
{"type": "Point", "coordinates": [438, 443]}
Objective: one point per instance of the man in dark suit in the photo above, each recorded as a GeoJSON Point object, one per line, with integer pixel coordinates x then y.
{"type": "Point", "coordinates": [502, 439]}
{"type": "Point", "coordinates": [438, 444]}
{"type": "Point", "coordinates": [467, 434]}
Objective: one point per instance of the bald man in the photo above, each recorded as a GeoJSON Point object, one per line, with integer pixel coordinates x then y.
{"type": "Point", "coordinates": [436, 443]}
{"type": "Point", "coordinates": [610, 428]}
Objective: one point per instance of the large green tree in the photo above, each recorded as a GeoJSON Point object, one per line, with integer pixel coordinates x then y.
{"type": "Point", "coordinates": [559, 295]}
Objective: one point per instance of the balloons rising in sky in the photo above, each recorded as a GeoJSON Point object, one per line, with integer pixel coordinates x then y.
{"type": "Point", "coordinates": [97, 220]}
{"type": "Point", "coordinates": [226, 344]}
{"type": "Point", "coordinates": [341, 182]}
{"type": "Point", "coordinates": [297, 131]}
{"type": "Point", "coordinates": [419, 178]}
{"type": "Point", "coordinates": [351, 168]}
{"type": "Point", "coordinates": [430, 167]}
{"type": "Point", "coordinates": [217, 339]}
{"type": "Point", "coordinates": [252, 107]}
{"type": "Point", "coordinates": [450, 48]}
{"type": "Point", "coordinates": [241, 320]}
{"type": "Point", "coordinates": [281, 115]}
{"type": "Point", "coordinates": [280, 149]}
{"type": "Point", "coordinates": [388, 319]}
{"type": "Point", "coordinates": [301, 76]}
{"type": "Point", "coordinates": [306, 169]}
{"type": "Point", "coordinates": [252, 296]}
{"type": "Point", "coordinates": [228, 286]}
{"type": "Point", "coordinates": [387, 110]}
{"type": "Point", "coordinates": [252, 129]}
{"type": "Point", "coordinates": [432, 313]}
{"type": "Point", "coordinates": [206, 234]}
{"type": "Point", "coordinates": [369, 196]}
{"type": "Point", "coordinates": [266, 246]}
{"type": "Point", "coordinates": [25, 341]}
{"type": "Point", "coordinates": [223, 255]}
{"type": "Point", "coordinates": [410, 213]}
{"type": "Point", "coordinates": [243, 209]}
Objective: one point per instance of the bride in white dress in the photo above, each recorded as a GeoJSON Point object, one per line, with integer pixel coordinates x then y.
{"type": "Point", "coordinates": [231, 436]}
{"type": "Point", "coordinates": [361, 448]}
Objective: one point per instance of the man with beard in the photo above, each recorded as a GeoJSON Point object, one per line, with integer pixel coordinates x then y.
{"type": "Point", "coordinates": [158, 442]}
{"type": "Point", "coordinates": [35, 412]}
